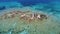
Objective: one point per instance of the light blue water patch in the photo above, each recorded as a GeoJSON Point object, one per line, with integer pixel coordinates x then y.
{"type": "Point", "coordinates": [23, 32]}
{"type": "Point", "coordinates": [39, 6]}
{"type": "Point", "coordinates": [56, 5]}
{"type": "Point", "coordinates": [10, 4]}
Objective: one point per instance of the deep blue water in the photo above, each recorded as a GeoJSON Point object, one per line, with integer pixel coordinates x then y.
{"type": "Point", "coordinates": [52, 3]}
{"type": "Point", "coordinates": [29, 2]}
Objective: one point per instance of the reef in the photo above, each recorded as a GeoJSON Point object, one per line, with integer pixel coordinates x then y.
{"type": "Point", "coordinates": [25, 21]}
{"type": "Point", "coordinates": [27, 15]}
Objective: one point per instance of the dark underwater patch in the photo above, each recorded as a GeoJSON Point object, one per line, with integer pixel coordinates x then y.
{"type": "Point", "coordinates": [2, 8]}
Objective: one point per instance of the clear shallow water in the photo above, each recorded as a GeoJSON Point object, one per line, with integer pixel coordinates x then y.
{"type": "Point", "coordinates": [16, 26]}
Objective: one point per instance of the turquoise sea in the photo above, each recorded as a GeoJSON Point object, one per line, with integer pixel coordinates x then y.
{"type": "Point", "coordinates": [18, 26]}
